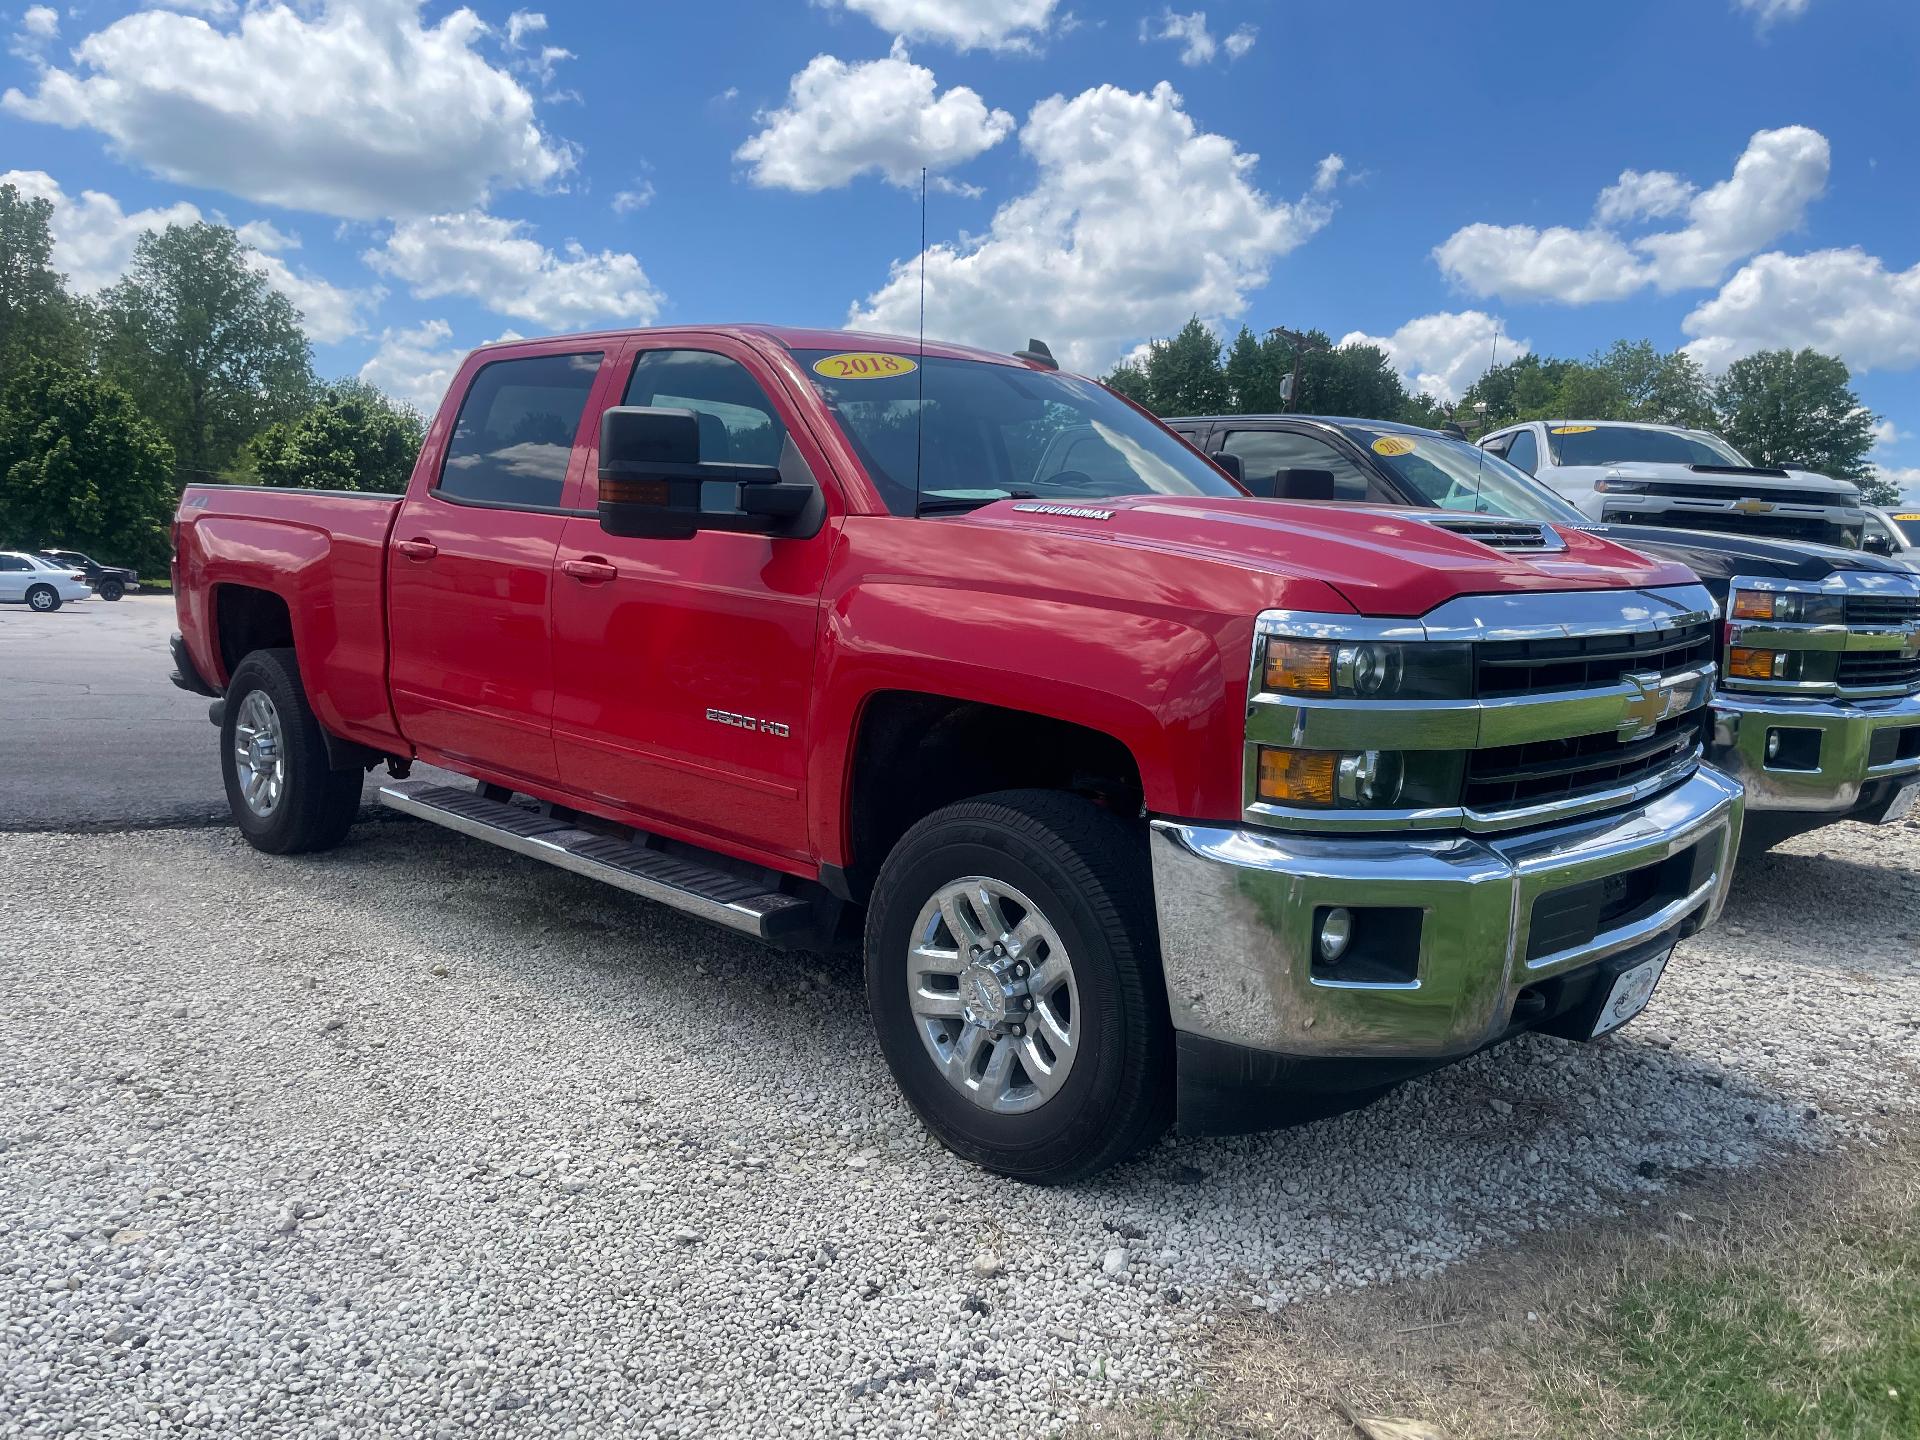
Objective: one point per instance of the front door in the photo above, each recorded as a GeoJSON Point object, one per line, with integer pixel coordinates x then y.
{"type": "Point", "coordinates": [683, 667]}
{"type": "Point", "coordinates": [470, 566]}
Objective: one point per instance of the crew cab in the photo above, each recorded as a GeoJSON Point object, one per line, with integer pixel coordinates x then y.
{"type": "Point", "coordinates": [1818, 710]}
{"type": "Point", "coordinates": [109, 582]}
{"type": "Point", "coordinates": [1635, 474]}
{"type": "Point", "coordinates": [1147, 801]}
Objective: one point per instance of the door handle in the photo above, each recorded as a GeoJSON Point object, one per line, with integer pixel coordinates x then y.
{"type": "Point", "coordinates": [417, 549]}
{"type": "Point", "coordinates": [590, 570]}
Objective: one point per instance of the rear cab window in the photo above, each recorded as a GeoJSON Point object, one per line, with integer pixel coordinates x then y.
{"type": "Point", "coordinates": [516, 430]}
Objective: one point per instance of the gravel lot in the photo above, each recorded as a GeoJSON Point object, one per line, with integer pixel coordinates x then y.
{"type": "Point", "coordinates": [418, 1138]}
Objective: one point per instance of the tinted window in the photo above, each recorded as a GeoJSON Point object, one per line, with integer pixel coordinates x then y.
{"type": "Point", "coordinates": [1617, 444]}
{"type": "Point", "coordinates": [516, 430]}
{"type": "Point", "coordinates": [13, 562]}
{"type": "Point", "coordinates": [1262, 452]}
{"type": "Point", "coordinates": [988, 431]}
{"type": "Point", "coordinates": [738, 424]}
{"type": "Point", "coordinates": [1524, 452]}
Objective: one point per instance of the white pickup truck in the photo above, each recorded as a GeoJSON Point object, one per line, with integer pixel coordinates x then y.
{"type": "Point", "coordinates": [1631, 474]}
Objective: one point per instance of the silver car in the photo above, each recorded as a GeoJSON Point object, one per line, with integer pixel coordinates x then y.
{"type": "Point", "coordinates": [39, 584]}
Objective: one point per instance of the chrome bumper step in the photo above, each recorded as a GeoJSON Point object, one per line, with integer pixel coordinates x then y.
{"type": "Point", "coordinates": [701, 890]}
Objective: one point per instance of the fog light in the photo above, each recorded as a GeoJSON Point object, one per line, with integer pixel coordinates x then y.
{"type": "Point", "coordinates": [1336, 933]}
{"type": "Point", "coordinates": [1773, 745]}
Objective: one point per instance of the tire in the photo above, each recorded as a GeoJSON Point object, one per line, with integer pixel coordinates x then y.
{"type": "Point", "coordinates": [302, 804]}
{"type": "Point", "coordinates": [111, 590]}
{"type": "Point", "coordinates": [43, 598]}
{"type": "Point", "coordinates": [1084, 874]}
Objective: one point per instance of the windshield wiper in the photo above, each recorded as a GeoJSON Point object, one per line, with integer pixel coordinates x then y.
{"type": "Point", "coordinates": [949, 504]}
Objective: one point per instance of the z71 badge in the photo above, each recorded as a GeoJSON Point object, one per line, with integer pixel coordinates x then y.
{"type": "Point", "coordinates": [748, 722]}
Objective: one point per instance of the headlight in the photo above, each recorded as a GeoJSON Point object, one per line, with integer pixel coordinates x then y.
{"type": "Point", "coordinates": [1607, 485]}
{"type": "Point", "coordinates": [1788, 608]}
{"type": "Point", "coordinates": [1365, 669]}
{"type": "Point", "coordinates": [1357, 779]}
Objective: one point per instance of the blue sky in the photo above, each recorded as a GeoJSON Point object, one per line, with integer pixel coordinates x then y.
{"type": "Point", "coordinates": [422, 178]}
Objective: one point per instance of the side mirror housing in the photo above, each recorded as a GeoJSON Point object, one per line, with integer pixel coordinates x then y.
{"type": "Point", "coordinates": [654, 485]}
{"type": "Point", "coordinates": [1231, 464]}
{"type": "Point", "coordinates": [1267, 487]}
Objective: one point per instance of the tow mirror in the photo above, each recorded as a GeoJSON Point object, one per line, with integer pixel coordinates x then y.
{"type": "Point", "coordinates": [655, 486]}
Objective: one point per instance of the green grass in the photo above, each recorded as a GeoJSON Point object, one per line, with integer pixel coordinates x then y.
{"type": "Point", "coordinates": [1821, 1340]}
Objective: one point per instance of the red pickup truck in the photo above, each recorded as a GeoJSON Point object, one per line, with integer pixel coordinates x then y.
{"type": "Point", "coordinates": [1148, 801]}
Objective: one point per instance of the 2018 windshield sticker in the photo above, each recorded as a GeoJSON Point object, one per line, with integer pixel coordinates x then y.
{"type": "Point", "coordinates": [864, 365]}
{"type": "Point", "coordinates": [1393, 445]}
{"type": "Point", "coordinates": [1574, 429]}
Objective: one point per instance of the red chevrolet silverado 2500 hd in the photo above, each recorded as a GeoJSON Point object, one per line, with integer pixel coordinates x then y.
{"type": "Point", "coordinates": [1150, 801]}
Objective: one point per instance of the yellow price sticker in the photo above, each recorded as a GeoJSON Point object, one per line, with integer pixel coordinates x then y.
{"type": "Point", "coordinates": [1574, 429]}
{"type": "Point", "coordinates": [863, 365]}
{"type": "Point", "coordinates": [1393, 445]}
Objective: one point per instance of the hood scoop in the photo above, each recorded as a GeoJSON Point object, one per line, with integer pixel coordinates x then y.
{"type": "Point", "coordinates": [1500, 534]}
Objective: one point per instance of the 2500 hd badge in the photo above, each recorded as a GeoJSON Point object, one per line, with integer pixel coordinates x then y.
{"type": "Point", "coordinates": [748, 722]}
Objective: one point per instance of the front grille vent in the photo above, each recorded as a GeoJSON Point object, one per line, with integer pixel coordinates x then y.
{"type": "Point", "coordinates": [1502, 534]}
{"type": "Point", "coordinates": [1531, 667]}
{"type": "Point", "coordinates": [1778, 496]}
{"type": "Point", "coordinates": [1887, 670]}
{"type": "Point", "coordinates": [1867, 612]}
{"type": "Point", "coordinates": [1547, 770]}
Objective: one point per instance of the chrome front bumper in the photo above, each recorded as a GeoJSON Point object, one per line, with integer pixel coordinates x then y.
{"type": "Point", "coordinates": [1843, 767]}
{"type": "Point", "coordinates": [1237, 904]}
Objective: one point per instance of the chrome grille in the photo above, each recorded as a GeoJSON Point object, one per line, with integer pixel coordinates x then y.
{"type": "Point", "coordinates": [1505, 668]}
{"type": "Point", "coordinates": [1509, 776]}
{"type": "Point", "coordinates": [1878, 670]}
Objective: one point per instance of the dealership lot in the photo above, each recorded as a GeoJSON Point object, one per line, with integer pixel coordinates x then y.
{"type": "Point", "coordinates": [418, 1135]}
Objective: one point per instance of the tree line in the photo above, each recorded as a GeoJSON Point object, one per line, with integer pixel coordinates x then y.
{"type": "Point", "coordinates": [190, 369]}
{"type": "Point", "coordinates": [1777, 407]}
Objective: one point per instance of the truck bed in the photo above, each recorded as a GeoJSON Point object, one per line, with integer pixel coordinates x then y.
{"type": "Point", "coordinates": [321, 554]}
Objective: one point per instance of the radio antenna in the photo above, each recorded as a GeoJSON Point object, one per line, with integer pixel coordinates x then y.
{"type": "Point", "coordinates": [920, 362]}
{"type": "Point", "coordinates": [1479, 452]}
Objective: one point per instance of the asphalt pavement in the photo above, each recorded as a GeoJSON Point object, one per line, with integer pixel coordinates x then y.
{"type": "Point", "coordinates": [93, 735]}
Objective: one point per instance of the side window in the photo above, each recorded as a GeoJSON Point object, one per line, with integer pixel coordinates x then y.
{"type": "Point", "coordinates": [516, 429]}
{"type": "Point", "coordinates": [738, 422]}
{"type": "Point", "coordinates": [1262, 452]}
{"type": "Point", "coordinates": [13, 562]}
{"type": "Point", "coordinates": [1524, 452]}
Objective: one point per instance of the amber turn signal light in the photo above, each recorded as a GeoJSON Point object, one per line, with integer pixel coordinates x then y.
{"type": "Point", "coordinates": [1297, 777]}
{"type": "Point", "coordinates": [633, 492]}
{"type": "Point", "coordinates": [1752, 605]}
{"type": "Point", "coordinates": [1751, 664]}
{"type": "Point", "coordinates": [1299, 666]}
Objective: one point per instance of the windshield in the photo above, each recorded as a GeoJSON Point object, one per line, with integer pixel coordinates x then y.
{"type": "Point", "coordinates": [1620, 444]}
{"type": "Point", "coordinates": [992, 431]}
{"type": "Point", "coordinates": [1450, 474]}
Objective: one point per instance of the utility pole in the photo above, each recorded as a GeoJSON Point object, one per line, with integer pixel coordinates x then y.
{"type": "Point", "coordinates": [1299, 342]}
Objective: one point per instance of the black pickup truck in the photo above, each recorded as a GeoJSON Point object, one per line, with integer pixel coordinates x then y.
{"type": "Point", "coordinates": [109, 582]}
{"type": "Point", "coordinates": [1817, 710]}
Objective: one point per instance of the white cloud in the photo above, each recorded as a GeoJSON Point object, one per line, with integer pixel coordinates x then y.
{"type": "Point", "coordinates": [1327, 174]}
{"type": "Point", "coordinates": [350, 107]}
{"type": "Point", "coordinates": [625, 202]}
{"type": "Point", "coordinates": [415, 365]}
{"type": "Point", "coordinates": [1887, 434]}
{"type": "Point", "coordinates": [1443, 354]}
{"type": "Point", "coordinates": [1197, 43]}
{"type": "Point", "coordinates": [1136, 220]}
{"type": "Point", "coordinates": [1766, 12]}
{"type": "Point", "coordinates": [491, 260]}
{"type": "Point", "coordinates": [963, 24]}
{"type": "Point", "coordinates": [522, 23]}
{"type": "Point", "coordinates": [1641, 194]}
{"type": "Point", "coordinates": [93, 241]}
{"type": "Point", "coordinates": [38, 26]}
{"type": "Point", "coordinates": [1780, 173]}
{"type": "Point", "coordinates": [1843, 302]}
{"type": "Point", "coordinates": [1522, 263]}
{"type": "Point", "coordinates": [883, 116]}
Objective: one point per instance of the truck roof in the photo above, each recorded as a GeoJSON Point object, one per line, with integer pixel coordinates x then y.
{"type": "Point", "coordinates": [792, 337]}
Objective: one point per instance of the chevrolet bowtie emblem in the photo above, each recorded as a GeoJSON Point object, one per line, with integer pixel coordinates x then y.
{"type": "Point", "coordinates": [1754, 507]}
{"type": "Point", "coordinates": [1650, 699]}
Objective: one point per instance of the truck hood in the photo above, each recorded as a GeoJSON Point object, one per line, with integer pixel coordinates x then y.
{"type": "Point", "coordinates": [1382, 560]}
{"type": "Point", "coordinates": [1719, 555]}
{"type": "Point", "coordinates": [1751, 480]}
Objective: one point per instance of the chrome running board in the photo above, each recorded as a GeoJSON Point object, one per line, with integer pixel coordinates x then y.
{"type": "Point", "coordinates": [711, 894]}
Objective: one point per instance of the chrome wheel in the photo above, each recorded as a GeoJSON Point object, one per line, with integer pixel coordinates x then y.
{"type": "Point", "coordinates": [993, 995]}
{"type": "Point", "coordinates": [259, 755]}
{"type": "Point", "coordinates": [43, 599]}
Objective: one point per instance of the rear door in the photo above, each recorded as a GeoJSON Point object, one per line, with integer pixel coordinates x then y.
{"type": "Point", "coordinates": [15, 571]}
{"type": "Point", "coordinates": [683, 668]}
{"type": "Point", "coordinates": [471, 556]}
